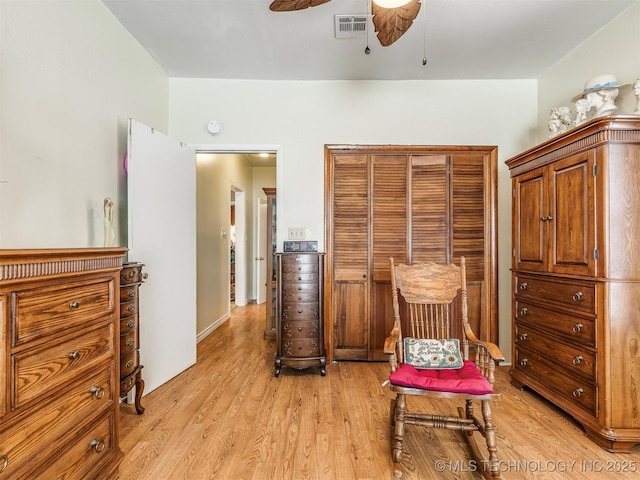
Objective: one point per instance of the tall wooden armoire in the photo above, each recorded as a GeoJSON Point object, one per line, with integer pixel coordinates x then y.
{"type": "Point", "coordinates": [417, 204]}
{"type": "Point", "coordinates": [576, 276]}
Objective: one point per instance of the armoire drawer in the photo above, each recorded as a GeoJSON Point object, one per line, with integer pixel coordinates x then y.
{"type": "Point", "coordinates": [128, 363]}
{"type": "Point", "coordinates": [300, 296]}
{"type": "Point", "coordinates": [303, 347]}
{"type": "Point", "coordinates": [129, 308]}
{"type": "Point", "coordinates": [300, 311]}
{"type": "Point", "coordinates": [295, 278]}
{"type": "Point", "coordinates": [306, 268]}
{"type": "Point", "coordinates": [309, 259]}
{"type": "Point", "coordinates": [571, 327]}
{"type": "Point", "coordinates": [572, 388]}
{"type": "Point", "coordinates": [300, 329]}
{"type": "Point", "coordinates": [38, 371]}
{"type": "Point", "coordinates": [128, 323]}
{"type": "Point", "coordinates": [300, 288]}
{"type": "Point", "coordinates": [574, 359]}
{"type": "Point", "coordinates": [48, 311]}
{"type": "Point", "coordinates": [42, 429]}
{"type": "Point", "coordinates": [128, 342]}
{"type": "Point", "coordinates": [572, 295]}
{"type": "Point", "coordinates": [128, 293]}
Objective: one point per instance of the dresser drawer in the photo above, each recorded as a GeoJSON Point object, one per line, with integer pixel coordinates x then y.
{"type": "Point", "coordinates": [128, 292]}
{"type": "Point", "coordinates": [303, 347]}
{"type": "Point", "coordinates": [300, 329]}
{"type": "Point", "coordinates": [576, 391]}
{"type": "Point", "coordinates": [92, 446]}
{"type": "Point", "coordinates": [574, 295]}
{"type": "Point", "coordinates": [128, 342]}
{"type": "Point", "coordinates": [39, 370]}
{"type": "Point", "coordinates": [300, 311]}
{"type": "Point", "coordinates": [129, 308]}
{"type": "Point", "coordinates": [128, 363]}
{"type": "Point", "coordinates": [41, 432]}
{"type": "Point", "coordinates": [573, 328]}
{"type": "Point", "coordinates": [51, 310]}
{"type": "Point", "coordinates": [576, 360]}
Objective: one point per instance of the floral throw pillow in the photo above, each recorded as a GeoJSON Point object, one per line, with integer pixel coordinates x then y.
{"type": "Point", "coordinates": [432, 353]}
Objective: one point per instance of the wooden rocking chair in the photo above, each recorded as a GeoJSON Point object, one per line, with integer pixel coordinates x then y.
{"type": "Point", "coordinates": [432, 362]}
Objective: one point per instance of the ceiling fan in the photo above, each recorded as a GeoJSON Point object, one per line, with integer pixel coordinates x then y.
{"type": "Point", "coordinates": [391, 18]}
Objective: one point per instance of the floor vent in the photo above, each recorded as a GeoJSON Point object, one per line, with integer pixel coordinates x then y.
{"type": "Point", "coordinates": [350, 26]}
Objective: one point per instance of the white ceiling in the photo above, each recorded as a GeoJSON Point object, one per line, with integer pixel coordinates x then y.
{"type": "Point", "coordinates": [463, 39]}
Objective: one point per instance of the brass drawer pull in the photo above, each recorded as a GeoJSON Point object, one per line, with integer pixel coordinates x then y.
{"type": "Point", "coordinates": [578, 392]}
{"type": "Point", "coordinates": [577, 328]}
{"type": "Point", "coordinates": [5, 463]}
{"type": "Point", "coordinates": [129, 364]}
{"type": "Point", "coordinates": [131, 323]}
{"type": "Point", "coordinates": [74, 305]}
{"type": "Point", "coordinates": [523, 312]}
{"type": "Point", "coordinates": [523, 362]}
{"type": "Point", "coordinates": [74, 355]}
{"type": "Point", "coordinates": [131, 308]}
{"type": "Point", "coordinates": [577, 360]}
{"type": "Point", "coordinates": [299, 329]}
{"type": "Point", "coordinates": [131, 293]}
{"type": "Point", "coordinates": [97, 445]}
{"type": "Point", "coordinates": [524, 286]}
{"type": "Point", "coordinates": [130, 342]}
{"type": "Point", "coordinates": [577, 297]}
{"type": "Point", "coordinates": [98, 392]}
{"type": "Point", "coordinates": [300, 310]}
{"type": "Point", "coordinates": [523, 336]}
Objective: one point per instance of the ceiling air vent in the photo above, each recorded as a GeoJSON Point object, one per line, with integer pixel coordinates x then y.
{"type": "Point", "coordinates": [351, 26]}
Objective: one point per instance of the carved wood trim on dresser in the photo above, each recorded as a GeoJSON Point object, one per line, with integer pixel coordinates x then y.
{"type": "Point", "coordinates": [576, 276]}
{"type": "Point", "coordinates": [59, 331]}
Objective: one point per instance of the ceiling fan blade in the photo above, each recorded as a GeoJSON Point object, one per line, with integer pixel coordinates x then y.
{"type": "Point", "coordinates": [292, 5]}
{"type": "Point", "coordinates": [392, 23]}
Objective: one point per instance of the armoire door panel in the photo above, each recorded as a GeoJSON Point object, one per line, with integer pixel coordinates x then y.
{"type": "Point", "coordinates": [571, 188]}
{"type": "Point", "coordinates": [528, 227]}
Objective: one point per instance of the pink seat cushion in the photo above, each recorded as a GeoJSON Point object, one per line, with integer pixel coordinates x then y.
{"type": "Point", "coordinates": [467, 379]}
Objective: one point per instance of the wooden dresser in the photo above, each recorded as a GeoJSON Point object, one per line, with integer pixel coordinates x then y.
{"type": "Point", "coordinates": [576, 276]}
{"type": "Point", "coordinates": [59, 365]}
{"type": "Point", "coordinates": [299, 313]}
{"type": "Point", "coordinates": [131, 277]}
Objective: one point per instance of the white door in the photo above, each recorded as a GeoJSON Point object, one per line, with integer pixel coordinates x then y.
{"type": "Point", "coordinates": [261, 264]}
{"type": "Point", "coordinates": [161, 190]}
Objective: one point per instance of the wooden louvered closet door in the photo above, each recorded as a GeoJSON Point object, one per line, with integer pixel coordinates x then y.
{"type": "Point", "coordinates": [416, 204]}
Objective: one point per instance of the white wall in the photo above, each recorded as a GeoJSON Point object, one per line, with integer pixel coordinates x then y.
{"type": "Point", "coordinates": [302, 117]}
{"type": "Point", "coordinates": [70, 76]}
{"type": "Point", "coordinates": [615, 49]}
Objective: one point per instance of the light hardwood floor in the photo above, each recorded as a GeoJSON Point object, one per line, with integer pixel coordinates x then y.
{"type": "Point", "coordinates": [229, 418]}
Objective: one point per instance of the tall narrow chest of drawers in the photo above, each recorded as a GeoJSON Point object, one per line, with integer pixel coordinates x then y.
{"type": "Point", "coordinates": [576, 276]}
{"type": "Point", "coordinates": [59, 363]}
{"type": "Point", "coordinates": [131, 277]}
{"type": "Point", "coordinates": [299, 311]}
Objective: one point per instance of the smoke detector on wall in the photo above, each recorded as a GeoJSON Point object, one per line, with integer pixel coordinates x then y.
{"type": "Point", "coordinates": [350, 26]}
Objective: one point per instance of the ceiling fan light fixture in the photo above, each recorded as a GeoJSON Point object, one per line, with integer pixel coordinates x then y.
{"type": "Point", "coordinates": [391, 3]}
